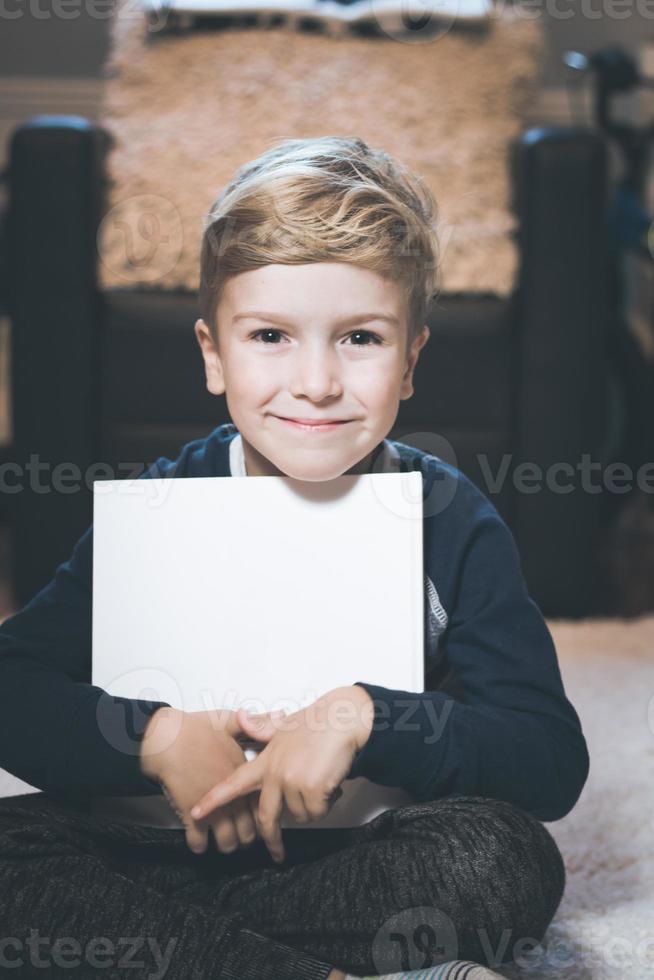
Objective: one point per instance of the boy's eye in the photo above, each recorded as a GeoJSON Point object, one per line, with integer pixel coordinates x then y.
{"type": "Point", "coordinates": [356, 333]}
{"type": "Point", "coordinates": [366, 333]}
{"type": "Point", "coordinates": [265, 330]}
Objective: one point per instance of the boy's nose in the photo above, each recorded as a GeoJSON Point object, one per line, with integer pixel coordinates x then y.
{"type": "Point", "coordinates": [316, 375]}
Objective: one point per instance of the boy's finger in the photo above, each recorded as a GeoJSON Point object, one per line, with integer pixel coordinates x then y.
{"type": "Point", "coordinates": [243, 780]}
{"type": "Point", "coordinates": [261, 727]}
{"type": "Point", "coordinates": [296, 805]}
{"type": "Point", "coordinates": [225, 833]}
{"type": "Point", "coordinates": [245, 825]}
{"type": "Point", "coordinates": [253, 801]}
{"type": "Point", "coordinates": [231, 721]}
{"type": "Point", "coordinates": [197, 838]}
{"type": "Point", "coordinates": [271, 802]}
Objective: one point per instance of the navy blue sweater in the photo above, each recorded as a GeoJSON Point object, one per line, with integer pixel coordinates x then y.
{"type": "Point", "coordinates": [493, 721]}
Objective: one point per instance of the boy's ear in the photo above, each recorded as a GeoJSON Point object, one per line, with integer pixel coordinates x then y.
{"type": "Point", "coordinates": [406, 390]}
{"type": "Point", "coordinates": [213, 367]}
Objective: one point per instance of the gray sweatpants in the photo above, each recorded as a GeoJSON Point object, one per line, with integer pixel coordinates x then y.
{"type": "Point", "coordinates": [461, 877]}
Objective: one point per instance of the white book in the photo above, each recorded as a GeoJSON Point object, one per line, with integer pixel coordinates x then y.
{"type": "Point", "coordinates": [215, 592]}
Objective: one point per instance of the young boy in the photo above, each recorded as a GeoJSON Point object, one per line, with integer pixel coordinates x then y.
{"type": "Point", "coordinates": [318, 266]}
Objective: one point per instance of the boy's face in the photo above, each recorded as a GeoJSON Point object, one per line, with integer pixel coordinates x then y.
{"type": "Point", "coordinates": [289, 348]}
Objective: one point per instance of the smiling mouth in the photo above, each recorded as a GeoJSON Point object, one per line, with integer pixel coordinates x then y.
{"type": "Point", "coordinates": [312, 426]}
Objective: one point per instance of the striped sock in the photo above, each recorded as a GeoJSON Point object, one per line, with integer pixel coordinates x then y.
{"type": "Point", "coordinates": [454, 970]}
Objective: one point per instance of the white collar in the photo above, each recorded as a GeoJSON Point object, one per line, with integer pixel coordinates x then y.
{"type": "Point", "coordinates": [389, 458]}
{"type": "Point", "coordinates": [236, 457]}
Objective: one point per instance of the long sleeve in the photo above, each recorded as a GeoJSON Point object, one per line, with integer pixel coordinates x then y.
{"type": "Point", "coordinates": [514, 736]}
{"type": "Point", "coordinates": [59, 732]}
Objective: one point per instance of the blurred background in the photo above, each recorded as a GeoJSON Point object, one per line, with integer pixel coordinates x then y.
{"type": "Point", "coordinates": [539, 368]}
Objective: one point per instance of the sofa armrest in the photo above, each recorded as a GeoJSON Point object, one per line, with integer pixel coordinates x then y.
{"type": "Point", "coordinates": [56, 200]}
{"type": "Point", "coordinates": [4, 256]}
{"type": "Point", "coordinates": [560, 186]}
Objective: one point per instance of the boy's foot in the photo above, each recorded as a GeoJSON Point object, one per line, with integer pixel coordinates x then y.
{"type": "Point", "coordinates": [452, 970]}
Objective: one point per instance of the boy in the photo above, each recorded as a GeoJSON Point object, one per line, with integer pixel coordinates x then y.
{"type": "Point", "coordinates": [315, 244]}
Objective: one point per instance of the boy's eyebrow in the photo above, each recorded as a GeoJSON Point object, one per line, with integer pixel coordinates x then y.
{"type": "Point", "coordinates": [345, 322]}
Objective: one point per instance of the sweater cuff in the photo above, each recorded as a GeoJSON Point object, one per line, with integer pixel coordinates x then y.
{"type": "Point", "coordinates": [104, 746]}
{"type": "Point", "coordinates": [407, 739]}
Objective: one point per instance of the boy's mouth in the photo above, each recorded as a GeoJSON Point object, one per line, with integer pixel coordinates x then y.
{"type": "Point", "coordinates": [313, 425]}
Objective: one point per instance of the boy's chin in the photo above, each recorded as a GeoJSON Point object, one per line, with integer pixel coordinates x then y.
{"type": "Point", "coordinates": [315, 474]}
{"type": "Point", "coordinates": [319, 470]}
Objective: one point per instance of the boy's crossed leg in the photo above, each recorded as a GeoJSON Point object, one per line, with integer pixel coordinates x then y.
{"type": "Point", "coordinates": [64, 908]}
{"type": "Point", "coordinates": [457, 878]}
{"type": "Point", "coordinates": [461, 877]}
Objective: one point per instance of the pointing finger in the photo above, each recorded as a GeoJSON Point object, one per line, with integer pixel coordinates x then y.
{"type": "Point", "coordinates": [243, 780]}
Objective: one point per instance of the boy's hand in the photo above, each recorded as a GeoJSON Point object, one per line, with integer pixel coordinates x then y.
{"type": "Point", "coordinates": [308, 755]}
{"type": "Point", "coordinates": [187, 752]}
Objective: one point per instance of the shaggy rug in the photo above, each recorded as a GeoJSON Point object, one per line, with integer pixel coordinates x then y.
{"type": "Point", "coordinates": [186, 110]}
{"type": "Point", "coordinates": [604, 927]}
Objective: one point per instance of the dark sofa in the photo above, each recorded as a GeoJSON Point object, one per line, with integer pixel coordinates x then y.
{"type": "Point", "coordinates": [526, 376]}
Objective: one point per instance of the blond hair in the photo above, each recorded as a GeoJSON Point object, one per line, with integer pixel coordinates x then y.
{"type": "Point", "coordinates": [329, 198]}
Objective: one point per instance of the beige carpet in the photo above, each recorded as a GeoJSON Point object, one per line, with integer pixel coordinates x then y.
{"type": "Point", "coordinates": [605, 924]}
{"type": "Point", "coordinates": [604, 928]}
{"type": "Point", "coordinates": [187, 111]}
